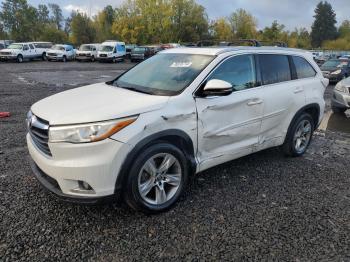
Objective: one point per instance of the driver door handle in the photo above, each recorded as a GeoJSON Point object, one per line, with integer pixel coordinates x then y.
{"type": "Point", "coordinates": [255, 102]}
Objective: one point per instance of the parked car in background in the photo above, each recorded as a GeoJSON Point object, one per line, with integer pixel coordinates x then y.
{"type": "Point", "coordinates": [111, 51]}
{"type": "Point", "coordinates": [62, 53]}
{"type": "Point", "coordinates": [19, 52]}
{"type": "Point", "coordinates": [2, 46]}
{"type": "Point", "coordinates": [129, 48]}
{"type": "Point", "coordinates": [87, 52]}
{"type": "Point", "coordinates": [6, 43]}
{"type": "Point", "coordinates": [140, 53]}
{"type": "Point", "coordinates": [142, 135]}
{"type": "Point", "coordinates": [341, 96]}
{"type": "Point", "coordinates": [336, 69]}
{"type": "Point", "coordinates": [42, 48]}
{"type": "Point", "coordinates": [155, 49]}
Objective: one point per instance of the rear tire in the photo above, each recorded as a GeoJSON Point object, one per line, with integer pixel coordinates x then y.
{"type": "Point", "coordinates": [64, 59]}
{"type": "Point", "coordinates": [160, 172]}
{"type": "Point", "coordinates": [43, 57]}
{"type": "Point", "coordinates": [299, 136]}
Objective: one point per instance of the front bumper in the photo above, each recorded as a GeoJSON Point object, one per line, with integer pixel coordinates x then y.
{"type": "Point", "coordinates": [138, 57]}
{"type": "Point", "coordinates": [56, 58]}
{"type": "Point", "coordinates": [8, 57]}
{"type": "Point", "coordinates": [83, 58]}
{"type": "Point", "coordinates": [341, 100]}
{"type": "Point", "coordinates": [97, 164]}
{"type": "Point", "coordinates": [107, 59]}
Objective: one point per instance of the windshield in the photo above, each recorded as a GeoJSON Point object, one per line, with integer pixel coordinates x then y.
{"type": "Point", "coordinates": [85, 48]}
{"type": "Point", "coordinates": [164, 74]}
{"type": "Point", "coordinates": [58, 47]}
{"type": "Point", "coordinates": [335, 63]}
{"type": "Point", "coordinates": [15, 46]}
{"type": "Point", "coordinates": [107, 48]}
{"type": "Point", "coordinates": [139, 49]}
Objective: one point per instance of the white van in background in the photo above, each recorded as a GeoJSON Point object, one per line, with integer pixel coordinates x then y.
{"type": "Point", "coordinates": [111, 51]}
{"type": "Point", "coordinates": [42, 48]}
{"type": "Point", "coordinates": [87, 52]}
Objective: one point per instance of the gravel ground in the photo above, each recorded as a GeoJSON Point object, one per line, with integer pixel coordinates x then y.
{"type": "Point", "coordinates": [260, 207]}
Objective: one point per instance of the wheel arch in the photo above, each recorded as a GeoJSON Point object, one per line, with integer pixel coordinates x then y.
{"type": "Point", "coordinates": [312, 109]}
{"type": "Point", "coordinates": [175, 137]}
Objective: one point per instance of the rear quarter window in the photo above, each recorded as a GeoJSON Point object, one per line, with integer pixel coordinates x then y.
{"type": "Point", "coordinates": [303, 67]}
{"type": "Point", "coordinates": [274, 68]}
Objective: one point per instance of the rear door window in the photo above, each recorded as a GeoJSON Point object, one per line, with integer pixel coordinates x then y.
{"type": "Point", "coordinates": [31, 46]}
{"type": "Point", "coordinates": [274, 68]}
{"type": "Point", "coordinates": [303, 67]}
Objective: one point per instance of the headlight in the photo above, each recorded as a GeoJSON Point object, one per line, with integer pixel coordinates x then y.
{"type": "Point", "coordinates": [341, 88]}
{"type": "Point", "coordinates": [337, 72]}
{"type": "Point", "coordinates": [88, 132]}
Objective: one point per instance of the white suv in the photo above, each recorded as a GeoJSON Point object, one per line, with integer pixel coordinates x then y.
{"type": "Point", "coordinates": [19, 52]}
{"type": "Point", "coordinates": [140, 136]}
{"type": "Point", "coordinates": [60, 53]}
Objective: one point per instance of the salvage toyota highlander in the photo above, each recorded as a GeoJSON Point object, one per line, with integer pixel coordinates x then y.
{"type": "Point", "coordinates": [141, 136]}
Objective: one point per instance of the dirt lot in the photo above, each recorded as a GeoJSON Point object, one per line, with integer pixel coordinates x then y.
{"type": "Point", "coordinates": [260, 207]}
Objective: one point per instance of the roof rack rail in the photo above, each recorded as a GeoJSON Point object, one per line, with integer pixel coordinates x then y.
{"type": "Point", "coordinates": [274, 43]}
{"type": "Point", "coordinates": [238, 42]}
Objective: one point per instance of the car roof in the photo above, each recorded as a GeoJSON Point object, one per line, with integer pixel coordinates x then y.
{"type": "Point", "coordinates": [222, 50]}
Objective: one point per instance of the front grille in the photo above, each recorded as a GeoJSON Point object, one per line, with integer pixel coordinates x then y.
{"type": "Point", "coordinates": [81, 54]}
{"type": "Point", "coordinates": [5, 53]}
{"type": "Point", "coordinates": [52, 54]}
{"type": "Point", "coordinates": [39, 131]}
{"type": "Point", "coordinates": [103, 55]}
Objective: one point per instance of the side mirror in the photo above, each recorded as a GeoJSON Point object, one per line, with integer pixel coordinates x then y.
{"type": "Point", "coordinates": [216, 87]}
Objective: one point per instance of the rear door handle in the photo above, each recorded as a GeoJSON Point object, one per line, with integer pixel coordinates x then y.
{"type": "Point", "coordinates": [255, 102]}
{"type": "Point", "coordinates": [298, 90]}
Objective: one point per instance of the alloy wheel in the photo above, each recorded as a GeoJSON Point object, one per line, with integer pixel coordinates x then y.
{"type": "Point", "coordinates": [159, 179]}
{"type": "Point", "coordinates": [302, 136]}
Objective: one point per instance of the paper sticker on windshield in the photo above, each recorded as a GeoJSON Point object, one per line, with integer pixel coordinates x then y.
{"type": "Point", "coordinates": [181, 64]}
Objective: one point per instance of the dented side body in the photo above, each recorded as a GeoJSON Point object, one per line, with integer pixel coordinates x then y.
{"type": "Point", "coordinates": [221, 128]}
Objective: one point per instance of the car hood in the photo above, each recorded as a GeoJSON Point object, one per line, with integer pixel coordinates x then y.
{"type": "Point", "coordinates": [9, 50]}
{"type": "Point", "coordinates": [93, 103]}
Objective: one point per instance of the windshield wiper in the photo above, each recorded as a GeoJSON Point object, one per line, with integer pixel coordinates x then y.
{"type": "Point", "coordinates": [135, 89]}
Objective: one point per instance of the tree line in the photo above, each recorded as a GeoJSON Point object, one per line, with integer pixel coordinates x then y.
{"type": "Point", "coordinates": [162, 21]}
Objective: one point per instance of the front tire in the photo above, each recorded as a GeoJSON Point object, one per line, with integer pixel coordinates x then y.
{"type": "Point", "coordinates": [64, 59]}
{"type": "Point", "coordinates": [299, 136]}
{"type": "Point", "coordinates": [338, 110]}
{"type": "Point", "coordinates": [19, 58]}
{"type": "Point", "coordinates": [157, 178]}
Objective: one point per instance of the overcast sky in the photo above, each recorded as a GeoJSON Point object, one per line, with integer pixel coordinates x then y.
{"type": "Point", "coordinates": [291, 13]}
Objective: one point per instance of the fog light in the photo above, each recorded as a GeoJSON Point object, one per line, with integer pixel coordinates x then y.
{"type": "Point", "coordinates": [83, 185]}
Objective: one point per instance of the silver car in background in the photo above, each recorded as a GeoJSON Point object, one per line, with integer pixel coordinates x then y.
{"type": "Point", "coordinates": [341, 96]}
